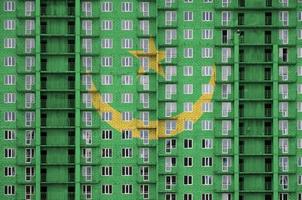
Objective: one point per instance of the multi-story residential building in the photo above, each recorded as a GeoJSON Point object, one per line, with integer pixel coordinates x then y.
{"type": "Point", "coordinates": [151, 99]}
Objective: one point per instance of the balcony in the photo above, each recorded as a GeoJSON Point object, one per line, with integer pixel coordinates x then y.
{"type": "Point", "coordinates": [268, 149]}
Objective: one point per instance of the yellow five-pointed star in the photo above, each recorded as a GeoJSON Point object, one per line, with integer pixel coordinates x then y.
{"type": "Point", "coordinates": [155, 57]}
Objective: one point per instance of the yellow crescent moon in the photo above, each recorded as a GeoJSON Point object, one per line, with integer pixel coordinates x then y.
{"type": "Point", "coordinates": [118, 124]}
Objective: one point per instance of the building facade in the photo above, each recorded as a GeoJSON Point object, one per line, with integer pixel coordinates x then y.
{"type": "Point", "coordinates": [151, 99]}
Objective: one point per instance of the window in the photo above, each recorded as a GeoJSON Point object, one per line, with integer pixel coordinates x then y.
{"type": "Point", "coordinates": [87, 118]}
{"type": "Point", "coordinates": [106, 43]}
{"type": "Point", "coordinates": [29, 27]}
{"type": "Point", "coordinates": [126, 171]}
{"type": "Point", "coordinates": [144, 27]}
{"type": "Point", "coordinates": [207, 107]}
{"type": "Point", "coordinates": [127, 62]}
{"type": "Point", "coordinates": [144, 154]}
{"type": "Point", "coordinates": [106, 153]}
{"type": "Point", "coordinates": [207, 34]}
{"type": "Point", "coordinates": [29, 173]}
{"type": "Point", "coordinates": [225, 182]}
{"type": "Point", "coordinates": [170, 144]}
{"type": "Point", "coordinates": [87, 173]}
{"type": "Point", "coordinates": [284, 182]}
{"type": "Point", "coordinates": [188, 107]}
{"type": "Point", "coordinates": [170, 35]}
{"type": "Point", "coordinates": [9, 43]}
{"type": "Point", "coordinates": [9, 80]}
{"type": "Point", "coordinates": [9, 190]}
{"type": "Point", "coordinates": [87, 81]}
{"type": "Point", "coordinates": [29, 45]}
{"type": "Point", "coordinates": [126, 152]}
{"type": "Point", "coordinates": [170, 17]}
{"type": "Point", "coordinates": [226, 126]}
{"type": "Point", "coordinates": [107, 189]}
{"type": "Point", "coordinates": [207, 52]}
{"type": "Point", "coordinates": [206, 143]}
{"type": "Point", "coordinates": [106, 61]}
{"type": "Point", "coordinates": [226, 108]}
{"type": "Point", "coordinates": [188, 125]}
{"type": "Point", "coordinates": [29, 118]}
{"type": "Point", "coordinates": [188, 143]}
{"type": "Point", "coordinates": [9, 116]}
{"type": "Point", "coordinates": [127, 189]}
{"type": "Point", "coordinates": [283, 163]}
{"type": "Point", "coordinates": [127, 116]}
{"type": "Point", "coordinates": [206, 71]}
{"type": "Point", "coordinates": [9, 134]}
{"type": "Point", "coordinates": [170, 126]}
{"type": "Point", "coordinates": [106, 6]}
{"type": "Point", "coordinates": [144, 99]}
{"type": "Point", "coordinates": [188, 34]}
{"type": "Point", "coordinates": [29, 63]}
{"type": "Point", "coordinates": [207, 16]}
{"type": "Point", "coordinates": [283, 36]}
{"type": "Point", "coordinates": [126, 134]}
{"type": "Point", "coordinates": [87, 136]}
{"type": "Point", "coordinates": [283, 17]}
{"type": "Point", "coordinates": [9, 6]}
{"type": "Point", "coordinates": [126, 7]}
{"type": "Point", "coordinates": [299, 15]}
{"type": "Point", "coordinates": [225, 18]}
{"type": "Point", "coordinates": [106, 25]}
{"type": "Point", "coordinates": [9, 171]}
{"type": "Point", "coordinates": [127, 25]}
{"type": "Point", "coordinates": [106, 79]}
{"type": "Point", "coordinates": [206, 180]}
{"type": "Point", "coordinates": [226, 146]}
{"type": "Point", "coordinates": [188, 16]}
{"type": "Point", "coordinates": [225, 73]}
{"type": "Point", "coordinates": [208, 196]}
{"type": "Point", "coordinates": [87, 8]}
{"type": "Point", "coordinates": [170, 91]}
{"type": "Point", "coordinates": [206, 88]}
{"type": "Point", "coordinates": [188, 161]}
{"type": "Point", "coordinates": [107, 97]}
{"type": "Point", "coordinates": [9, 61]}
{"type": "Point", "coordinates": [29, 137]}
{"type": "Point", "coordinates": [9, 24]}
{"type": "Point", "coordinates": [9, 153]}
{"type": "Point", "coordinates": [106, 116]}
{"type": "Point", "coordinates": [106, 134]}
{"type": "Point", "coordinates": [87, 27]}
{"type": "Point", "coordinates": [188, 89]}
{"type": "Point", "coordinates": [188, 52]}
{"type": "Point", "coordinates": [87, 100]}
{"type": "Point", "coordinates": [29, 154]}
{"type": "Point", "coordinates": [206, 161]}
{"type": "Point", "coordinates": [170, 53]}
{"type": "Point", "coordinates": [9, 97]}
{"type": "Point", "coordinates": [225, 54]}
{"type": "Point", "coordinates": [144, 8]}
{"type": "Point", "coordinates": [226, 163]}
{"type": "Point", "coordinates": [206, 125]}
{"type": "Point", "coordinates": [127, 98]}
{"type": "Point", "coordinates": [127, 43]}
{"type": "Point", "coordinates": [106, 171]}
{"type": "Point", "coordinates": [87, 191]}
{"type": "Point", "coordinates": [188, 180]}
{"type": "Point", "coordinates": [29, 8]}
{"type": "Point", "coordinates": [29, 82]}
